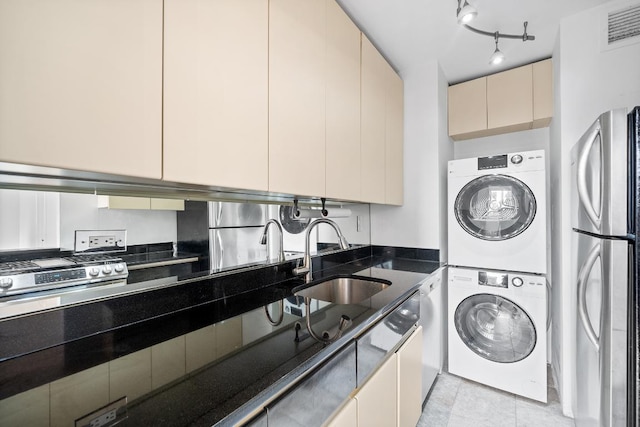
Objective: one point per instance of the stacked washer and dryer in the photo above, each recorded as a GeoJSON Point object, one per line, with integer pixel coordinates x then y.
{"type": "Point", "coordinates": [497, 293]}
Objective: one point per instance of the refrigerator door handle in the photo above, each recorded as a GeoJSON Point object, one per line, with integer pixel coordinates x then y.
{"type": "Point", "coordinates": [583, 192]}
{"type": "Point", "coordinates": [594, 254]}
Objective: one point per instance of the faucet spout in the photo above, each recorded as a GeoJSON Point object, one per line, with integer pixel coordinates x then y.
{"type": "Point", "coordinates": [263, 238]}
{"type": "Point", "coordinates": [306, 268]}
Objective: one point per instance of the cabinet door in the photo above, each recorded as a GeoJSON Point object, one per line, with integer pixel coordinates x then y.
{"type": "Point", "coordinates": [215, 93]}
{"type": "Point", "coordinates": [510, 99]}
{"type": "Point", "coordinates": [297, 41]}
{"type": "Point", "coordinates": [467, 107]}
{"type": "Point", "coordinates": [343, 105]}
{"type": "Point", "coordinates": [82, 85]}
{"type": "Point", "coordinates": [394, 141]}
{"type": "Point", "coordinates": [373, 125]}
{"type": "Point", "coordinates": [347, 416]}
{"type": "Point", "coordinates": [377, 398]}
{"type": "Point", "coordinates": [542, 93]}
{"type": "Point", "coordinates": [410, 380]}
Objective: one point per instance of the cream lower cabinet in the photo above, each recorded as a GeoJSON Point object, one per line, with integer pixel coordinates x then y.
{"type": "Point", "coordinates": [409, 371]}
{"type": "Point", "coordinates": [377, 399]}
{"type": "Point", "coordinates": [82, 85]}
{"type": "Point", "coordinates": [216, 93]}
{"type": "Point", "coordinates": [392, 395]}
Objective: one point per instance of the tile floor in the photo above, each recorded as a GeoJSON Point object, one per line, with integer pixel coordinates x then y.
{"type": "Point", "coordinates": [457, 402]}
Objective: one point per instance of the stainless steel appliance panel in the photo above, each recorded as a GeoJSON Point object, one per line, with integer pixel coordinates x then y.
{"type": "Point", "coordinates": [386, 336]}
{"type": "Point", "coordinates": [229, 214]}
{"type": "Point", "coordinates": [230, 247]}
{"type": "Point", "coordinates": [312, 401]}
{"type": "Point", "coordinates": [601, 330]}
{"type": "Point", "coordinates": [598, 162]}
{"type": "Point", "coordinates": [431, 319]}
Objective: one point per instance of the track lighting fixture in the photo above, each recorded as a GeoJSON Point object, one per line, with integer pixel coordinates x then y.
{"type": "Point", "coordinates": [498, 56]}
{"type": "Point", "coordinates": [466, 13]}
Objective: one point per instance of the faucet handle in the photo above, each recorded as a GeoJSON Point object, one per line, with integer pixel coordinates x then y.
{"type": "Point", "coordinates": [299, 271]}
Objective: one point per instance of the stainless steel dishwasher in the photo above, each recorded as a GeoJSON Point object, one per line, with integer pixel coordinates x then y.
{"type": "Point", "coordinates": [432, 321]}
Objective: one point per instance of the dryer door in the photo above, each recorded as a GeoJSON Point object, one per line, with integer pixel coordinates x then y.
{"type": "Point", "coordinates": [495, 207]}
{"type": "Point", "coordinates": [495, 328]}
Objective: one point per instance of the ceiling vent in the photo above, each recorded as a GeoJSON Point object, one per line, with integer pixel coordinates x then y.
{"type": "Point", "coordinates": [622, 27]}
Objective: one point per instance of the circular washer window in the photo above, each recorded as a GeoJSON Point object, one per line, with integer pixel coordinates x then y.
{"type": "Point", "coordinates": [495, 328]}
{"type": "Point", "coordinates": [495, 207]}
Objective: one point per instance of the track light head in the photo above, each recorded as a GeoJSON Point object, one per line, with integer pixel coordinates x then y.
{"type": "Point", "coordinates": [497, 57]}
{"type": "Point", "coordinates": [467, 13]}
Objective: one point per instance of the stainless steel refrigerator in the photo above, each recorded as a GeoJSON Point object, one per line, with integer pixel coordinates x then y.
{"type": "Point", "coordinates": [604, 255]}
{"type": "Point", "coordinates": [225, 234]}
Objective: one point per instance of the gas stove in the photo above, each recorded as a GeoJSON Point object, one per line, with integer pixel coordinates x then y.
{"type": "Point", "coordinates": [22, 277]}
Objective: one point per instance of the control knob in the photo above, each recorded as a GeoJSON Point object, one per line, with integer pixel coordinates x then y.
{"type": "Point", "coordinates": [517, 282]}
{"type": "Point", "coordinates": [94, 271]}
{"type": "Point", "coordinates": [6, 283]}
{"type": "Point", "coordinates": [119, 268]}
{"type": "Point", "coordinates": [516, 159]}
{"type": "Point", "coordinates": [106, 269]}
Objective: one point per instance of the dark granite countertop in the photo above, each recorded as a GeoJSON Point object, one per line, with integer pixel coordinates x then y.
{"type": "Point", "coordinates": [46, 346]}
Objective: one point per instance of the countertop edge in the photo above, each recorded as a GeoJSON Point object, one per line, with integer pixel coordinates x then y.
{"type": "Point", "coordinates": [256, 404]}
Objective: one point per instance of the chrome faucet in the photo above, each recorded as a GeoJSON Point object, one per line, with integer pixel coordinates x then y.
{"type": "Point", "coordinates": [307, 265]}
{"type": "Point", "coordinates": [263, 238]}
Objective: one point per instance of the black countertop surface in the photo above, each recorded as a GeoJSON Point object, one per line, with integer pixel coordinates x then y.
{"type": "Point", "coordinates": [49, 345]}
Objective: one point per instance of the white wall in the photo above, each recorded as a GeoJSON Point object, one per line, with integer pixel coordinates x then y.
{"type": "Point", "coordinates": [80, 212]}
{"type": "Point", "coordinates": [418, 222]}
{"type": "Point", "coordinates": [588, 82]}
{"type": "Point", "coordinates": [29, 219]}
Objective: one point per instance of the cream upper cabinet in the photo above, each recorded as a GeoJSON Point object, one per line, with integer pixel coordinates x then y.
{"type": "Point", "coordinates": [394, 141]}
{"type": "Point", "coordinates": [377, 400]}
{"type": "Point", "coordinates": [513, 100]}
{"type": "Point", "coordinates": [542, 93]}
{"type": "Point", "coordinates": [85, 87]}
{"type": "Point", "coordinates": [510, 99]}
{"type": "Point", "coordinates": [373, 123]}
{"type": "Point", "coordinates": [343, 105]}
{"type": "Point", "coordinates": [297, 52]}
{"type": "Point", "coordinates": [410, 380]}
{"type": "Point", "coordinates": [144, 203]}
{"type": "Point", "coordinates": [216, 92]}
{"type": "Point", "coordinates": [467, 107]}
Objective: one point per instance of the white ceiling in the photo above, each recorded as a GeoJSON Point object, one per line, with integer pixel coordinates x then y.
{"type": "Point", "coordinates": [412, 32]}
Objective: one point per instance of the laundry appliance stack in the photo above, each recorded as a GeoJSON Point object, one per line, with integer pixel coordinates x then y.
{"type": "Point", "coordinates": [497, 289]}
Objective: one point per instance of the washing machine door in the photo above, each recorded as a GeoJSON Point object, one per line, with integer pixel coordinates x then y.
{"type": "Point", "coordinates": [495, 207]}
{"type": "Point", "coordinates": [495, 328]}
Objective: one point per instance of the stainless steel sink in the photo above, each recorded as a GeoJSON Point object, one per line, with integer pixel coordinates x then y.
{"type": "Point", "coordinates": [343, 289]}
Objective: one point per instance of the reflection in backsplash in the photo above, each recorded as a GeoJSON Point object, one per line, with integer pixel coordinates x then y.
{"type": "Point", "coordinates": [50, 219]}
{"type": "Point", "coordinates": [228, 234]}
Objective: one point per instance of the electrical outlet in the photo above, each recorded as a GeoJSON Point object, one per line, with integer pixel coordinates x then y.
{"type": "Point", "coordinates": [106, 416]}
{"type": "Point", "coordinates": [104, 419]}
{"type": "Point", "coordinates": [102, 241]}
